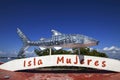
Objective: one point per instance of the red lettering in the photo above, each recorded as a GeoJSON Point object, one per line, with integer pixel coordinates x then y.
{"type": "Point", "coordinates": [34, 61]}
{"type": "Point", "coordinates": [29, 63]}
{"type": "Point", "coordinates": [88, 61]}
{"type": "Point", "coordinates": [60, 59]}
{"type": "Point", "coordinates": [76, 60]}
{"type": "Point", "coordinates": [82, 61]}
{"type": "Point", "coordinates": [104, 64]}
{"type": "Point", "coordinates": [40, 62]}
{"type": "Point", "coordinates": [96, 63]}
{"type": "Point", "coordinates": [68, 61]}
{"type": "Point", "coordinates": [24, 63]}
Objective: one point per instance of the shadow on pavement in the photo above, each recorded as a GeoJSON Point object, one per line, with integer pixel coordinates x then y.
{"type": "Point", "coordinates": [66, 71]}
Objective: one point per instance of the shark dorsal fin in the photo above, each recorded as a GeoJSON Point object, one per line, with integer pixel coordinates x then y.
{"type": "Point", "coordinates": [55, 33]}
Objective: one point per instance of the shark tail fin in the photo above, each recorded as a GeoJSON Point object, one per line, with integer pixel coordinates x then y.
{"type": "Point", "coordinates": [22, 36]}
{"type": "Point", "coordinates": [25, 43]}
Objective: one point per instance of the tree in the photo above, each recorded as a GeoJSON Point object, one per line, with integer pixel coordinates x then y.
{"type": "Point", "coordinates": [103, 55]}
{"type": "Point", "coordinates": [83, 51]}
{"type": "Point", "coordinates": [41, 52]}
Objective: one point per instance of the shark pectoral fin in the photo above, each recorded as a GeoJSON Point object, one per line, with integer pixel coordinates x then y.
{"type": "Point", "coordinates": [42, 48]}
{"type": "Point", "coordinates": [57, 48]}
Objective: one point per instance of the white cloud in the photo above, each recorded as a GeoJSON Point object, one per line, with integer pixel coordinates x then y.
{"type": "Point", "coordinates": [70, 50]}
{"type": "Point", "coordinates": [8, 54]}
{"type": "Point", "coordinates": [105, 49]}
{"type": "Point", "coordinates": [112, 52]}
{"type": "Point", "coordinates": [0, 52]}
{"type": "Point", "coordinates": [111, 48]}
{"type": "Point", "coordinates": [91, 49]}
{"type": "Point", "coordinates": [30, 53]}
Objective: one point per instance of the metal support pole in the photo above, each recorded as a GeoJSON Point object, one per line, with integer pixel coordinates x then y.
{"type": "Point", "coordinates": [79, 51]}
{"type": "Point", "coordinates": [50, 51]}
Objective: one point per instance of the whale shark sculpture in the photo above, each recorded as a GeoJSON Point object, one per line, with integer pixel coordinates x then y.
{"type": "Point", "coordinates": [58, 40]}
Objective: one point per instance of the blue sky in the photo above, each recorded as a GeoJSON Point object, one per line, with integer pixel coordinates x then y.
{"type": "Point", "coordinates": [99, 19]}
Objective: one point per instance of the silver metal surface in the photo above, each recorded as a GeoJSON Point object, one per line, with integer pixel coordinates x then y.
{"type": "Point", "coordinates": [57, 40]}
